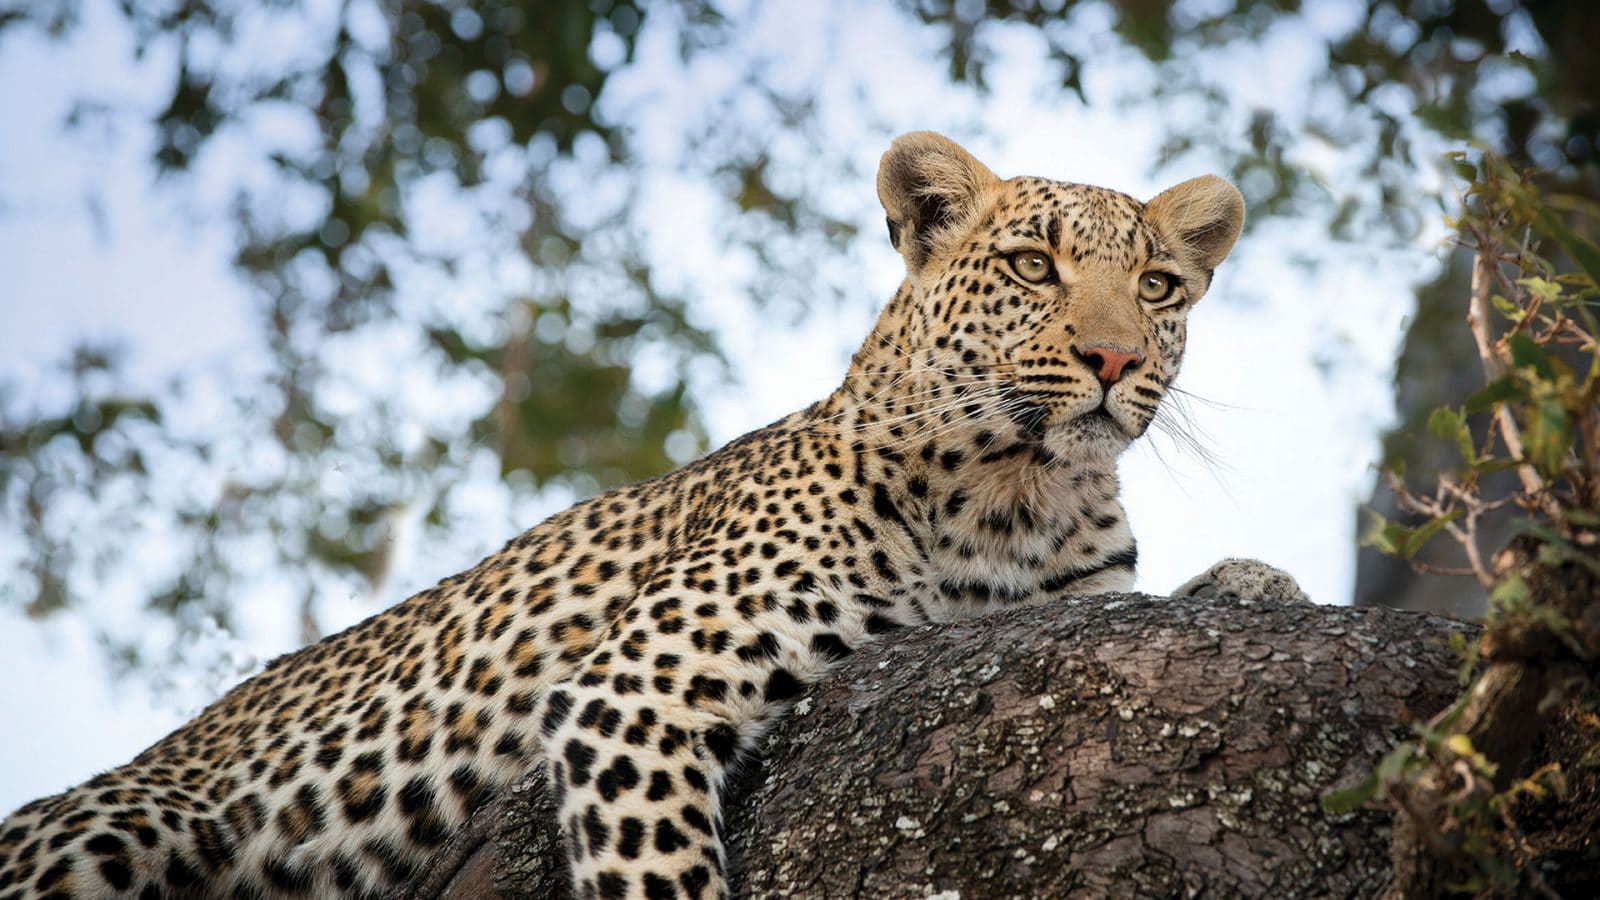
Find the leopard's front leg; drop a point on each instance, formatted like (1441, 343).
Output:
(636, 772)
(640, 738)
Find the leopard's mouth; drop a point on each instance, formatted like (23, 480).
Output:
(1101, 424)
(1100, 418)
(1034, 423)
(1099, 414)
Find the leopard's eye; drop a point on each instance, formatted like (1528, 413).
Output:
(1156, 286)
(1031, 265)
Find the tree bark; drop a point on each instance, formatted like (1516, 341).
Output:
(1119, 745)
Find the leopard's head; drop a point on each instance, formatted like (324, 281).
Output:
(1063, 305)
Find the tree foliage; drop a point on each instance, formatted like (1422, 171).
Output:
(1460, 786)
(381, 107)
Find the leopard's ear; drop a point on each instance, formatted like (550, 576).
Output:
(929, 187)
(1203, 214)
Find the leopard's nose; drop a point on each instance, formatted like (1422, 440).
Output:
(1109, 363)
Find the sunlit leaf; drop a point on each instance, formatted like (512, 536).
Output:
(1507, 308)
(1543, 289)
(1383, 535)
(1461, 745)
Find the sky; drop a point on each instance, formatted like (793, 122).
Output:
(91, 246)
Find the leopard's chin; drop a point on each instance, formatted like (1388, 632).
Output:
(1102, 423)
(1094, 436)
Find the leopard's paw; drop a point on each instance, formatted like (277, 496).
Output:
(1243, 579)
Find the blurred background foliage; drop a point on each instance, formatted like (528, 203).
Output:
(371, 121)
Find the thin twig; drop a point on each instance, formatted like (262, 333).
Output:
(1485, 268)
(1449, 498)
(1428, 568)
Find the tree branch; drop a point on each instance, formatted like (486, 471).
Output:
(1131, 744)
(1485, 269)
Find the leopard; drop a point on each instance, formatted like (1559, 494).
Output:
(639, 644)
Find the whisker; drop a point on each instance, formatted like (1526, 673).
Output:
(1175, 421)
(898, 423)
(1001, 410)
(1206, 401)
(898, 379)
(953, 392)
(926, 434)
(910, 355)
(1004, 409)
(959, 390)
(930, 412)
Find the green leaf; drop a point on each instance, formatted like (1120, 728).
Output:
(1582, 517)
(1512, 592)
(1547, 435)
(1560, 547)
(1502, 390)
(1527, 354)
(1383, 535)
(1506, 307)
(1392, 769)
(1582, 250)
(1547, 291)
(1425, 533)
(1347, 800)
(1489, 465)
(1461, 746)
(1451, 716)
(1397, 540)
(1467, 651)
(1449, 425)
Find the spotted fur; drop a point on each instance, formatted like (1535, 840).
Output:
(639, 642)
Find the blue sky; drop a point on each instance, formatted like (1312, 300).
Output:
(91, 246)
